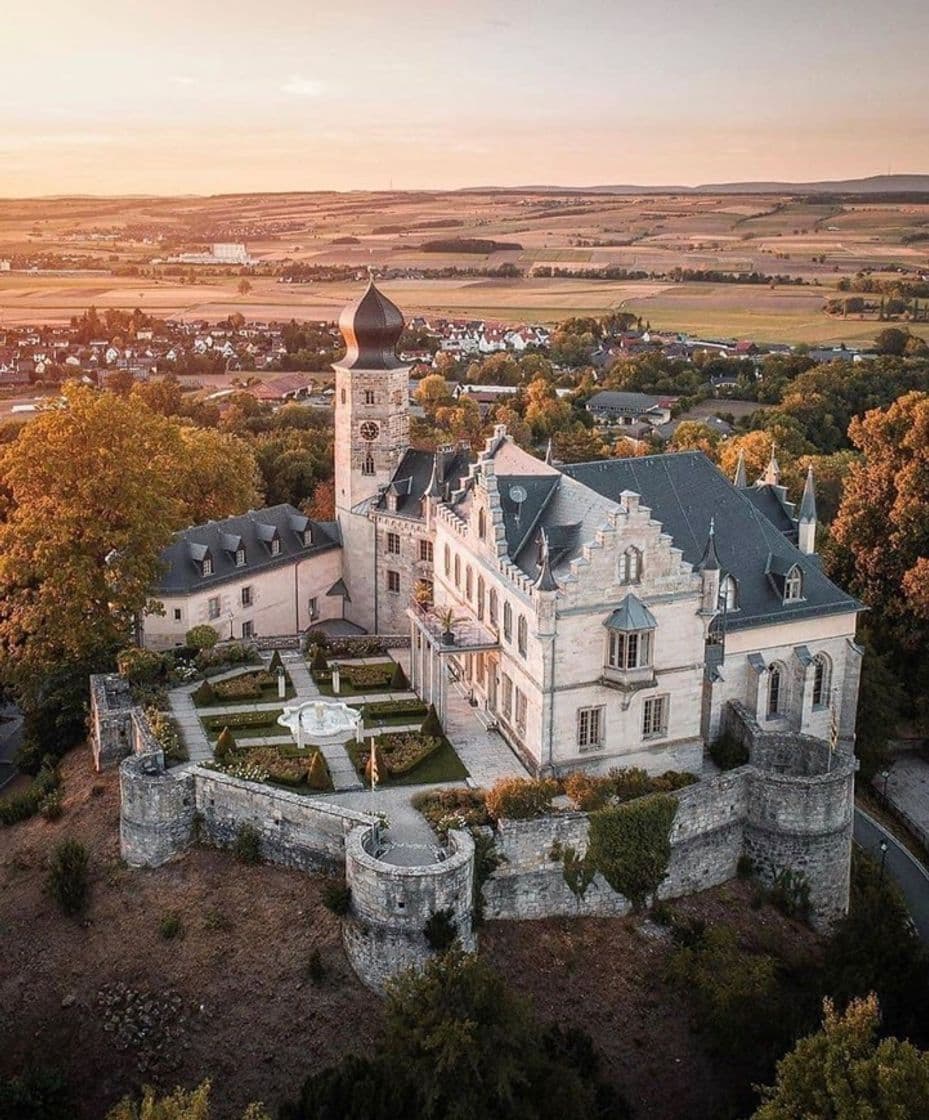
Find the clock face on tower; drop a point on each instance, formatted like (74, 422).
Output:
(369, 431)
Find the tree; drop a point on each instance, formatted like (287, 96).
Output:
(244, 287)
(36, 1094)
(321, 506)
(432, 393)
(892, 340)
(692, 435)
(217, 476)
(843, 1073)
(162, 395)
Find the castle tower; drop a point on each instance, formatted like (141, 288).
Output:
(372, 431)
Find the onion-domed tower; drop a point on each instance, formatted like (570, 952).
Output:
(372, 431)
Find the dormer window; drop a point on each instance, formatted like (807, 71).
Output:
(275, 544)
(728, 594)
(307, 537)
(240, 557)
(206, 566)
(630, 565)
(793, 585)
(630, 642)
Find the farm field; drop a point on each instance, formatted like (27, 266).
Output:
(819, 240)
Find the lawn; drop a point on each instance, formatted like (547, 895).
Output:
(442, 765)
(268, 694)
(253, 725)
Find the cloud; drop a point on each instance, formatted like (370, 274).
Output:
(182, 80)
(302, 87)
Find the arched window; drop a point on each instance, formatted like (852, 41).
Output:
(728, 594)
(522, 635)
(481, 523)
(822, 679)
(630, 565)
(469, 583)
(775, 690)
(793, 585)
(367, 465)
(508, 622)
(480, 598)
(448, 561)
(492, 607)
(458, 571)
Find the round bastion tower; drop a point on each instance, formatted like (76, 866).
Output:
(372, 431)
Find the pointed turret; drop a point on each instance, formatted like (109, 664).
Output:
(434, 489)
(740, 480)
(549, 452)
(772, 474)
(709, 571)
(545, 581)
(709, 562)
(806, 523)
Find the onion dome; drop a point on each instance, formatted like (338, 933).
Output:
(371, 327)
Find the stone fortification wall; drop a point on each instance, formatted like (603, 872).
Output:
(111, 708)
(390, 904)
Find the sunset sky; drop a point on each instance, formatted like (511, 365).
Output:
(201, 96)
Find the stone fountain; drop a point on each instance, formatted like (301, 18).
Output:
(322, 723)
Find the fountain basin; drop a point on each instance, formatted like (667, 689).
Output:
(322, 723)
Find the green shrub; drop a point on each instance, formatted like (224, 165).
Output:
(67, 880)
(337, 898)
(21, 806)
(399, 754)
(440, 931)
(688, 932)
(171, 926)
(630, 782)
(39, 1093)
(672, 780)
(379, 709)
(246, 686)
(662, 914)
(432, 725)
(140, 666)
(520, 798)
(630, 845)
(728, 752)
(276, 663)
(290, 770)
(50, 806)
(318, 773)
(398, 680)
(201, 637)
(318, 662)
(452, 808)
(166, 734)
(240, 721)
(745, 867)
(204, 695)
(248, 844)
(790, 893)
(486, 861)
(577, 871)
(363, 677)
(225, 747)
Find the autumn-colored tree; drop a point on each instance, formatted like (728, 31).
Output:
(692, 435)
(433, 393)
(179, 1105)
(516, 426)
(577, 444)
(882, 527)
(844, 1073)
(162, 395)
(217, 476)
(546, 412)
(463, 421)
(321, 507)
(243, 287)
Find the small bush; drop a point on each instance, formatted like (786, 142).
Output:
(378, 709)
(440, 931)
(276, 663)
(587, 791)
(248, 844)
(663, 914)
(166, 734)
(217, 920)
(201, 637)
(671, 780)
(23, 805)
(315, 968)
(520, 798)
(248, 686)
(452, 808)
(204, 695)
(398, 680)
(432, 725)
(50, 806)
(318, 774)
(630, 782)
(745, 867)
(728, 753)
(790, 894)
(68, 881)
(687, 933)
(171, 926)
(362, 677)
(318, 662)
(337, 898)
(225, 747)
(140, 666)
(403, 753)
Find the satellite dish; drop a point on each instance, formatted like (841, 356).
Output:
(518, 494)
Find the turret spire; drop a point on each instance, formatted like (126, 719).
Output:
(545, 580)
(709, 562)
(808, 501)
(772, 474)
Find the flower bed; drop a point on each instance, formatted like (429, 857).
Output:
(409, 759)
(382, 708)
(291, 767)
(239, 720)
(254, 686)
(453, 808)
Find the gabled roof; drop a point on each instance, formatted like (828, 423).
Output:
(683, 491)
(631, 614)
(522, 499)
(252, 531)
(413, 476)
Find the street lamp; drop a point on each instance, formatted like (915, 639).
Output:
(885, 774)
(883, 861)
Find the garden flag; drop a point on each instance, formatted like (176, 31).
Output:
(375, 777)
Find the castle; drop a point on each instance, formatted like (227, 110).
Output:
(599, 614)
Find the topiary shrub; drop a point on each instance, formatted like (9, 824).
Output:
(201, 637)
(319, 663)
(204, 695)
(398, 680)
(578, 872)
(318, 775)
(225, 747)
(630, 845)
(432, 725)
(50, 806)
(247, 846)
(276, 662)
(728, 752)
(440, 931)
(337, 897)
(67, 881)
(520, 798)
(381, 762)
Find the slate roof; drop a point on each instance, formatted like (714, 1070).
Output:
(619, 403)
(684, 491)
(520, 517)
(371, 327)
(631, 614)
(765, 500)
(253, 531)
(414, 473)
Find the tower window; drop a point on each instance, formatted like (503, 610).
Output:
(728, 594)
(480, 598)
(793, 585)
(630, 566)
(821, 680)
(469, 583)
(393, 543)
(425, 550)
(492, 607)
(342, 396)
(448, 561)
(458, 571)
(369, 396)
(367, 464)
(393, 582)
(275, 546)
(655, 717)
(481, 524)
(775, 691)
(240, 557)
(508, 622)
(522, 635)
(629, 649)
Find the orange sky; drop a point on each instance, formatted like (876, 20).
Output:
(201, 96)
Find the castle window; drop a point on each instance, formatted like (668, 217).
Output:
(821, 680)
(367, 464)
(522, 635)
(275, 546)
(447, 561)
(393, 543)
(492, 607)
(793, 585)
(508, 622)
(630, 565)
(521, 708)
(247, 596)
(206, 566)
(393, 582)
(458, 571)
(212, 607)
(425, 550)
(369, 396)
(342, 396)
(589, 729)
(479, 668)
(728, 594)
(480, 598)
(507, 702)
(481, 524)
(629, 650)
(655, 717)
(240, 557)
(177, 614)
(469, 583)
(307, 537)
(248, 629)
(775, 691)
(312, 607)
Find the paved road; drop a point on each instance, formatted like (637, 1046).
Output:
(909, 873)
